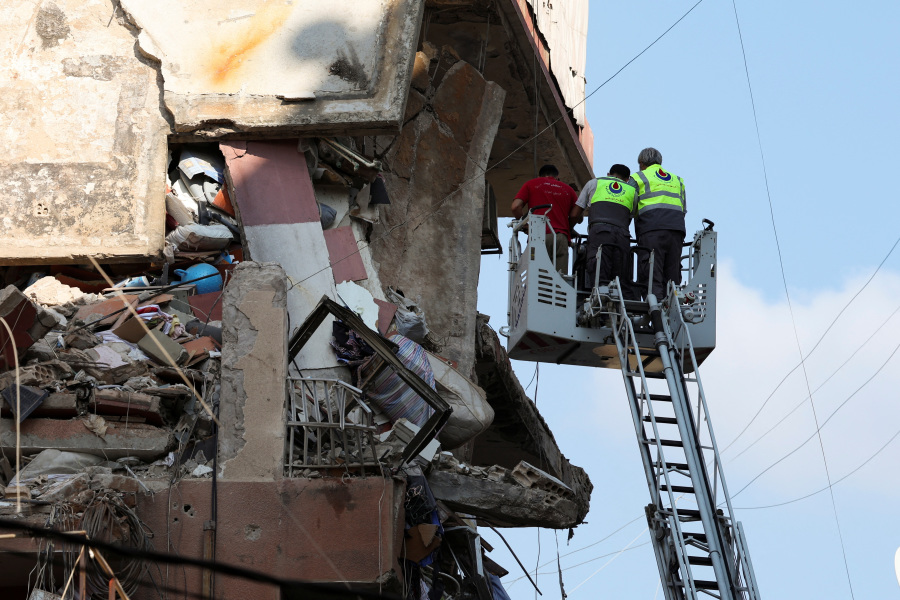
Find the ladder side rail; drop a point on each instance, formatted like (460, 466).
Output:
(712, 436)
(650, 470)
(645, 401)
(752, 586)
(742, 557)
(693, 454)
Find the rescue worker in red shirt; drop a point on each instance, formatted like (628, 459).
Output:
(548, 189)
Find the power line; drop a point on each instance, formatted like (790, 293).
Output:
(833, 373)
(819, 429)
(867, 461)
(816, 345)
(581, 564)
(481, 175)
(787, 294)
(292, 586)
(600, 541)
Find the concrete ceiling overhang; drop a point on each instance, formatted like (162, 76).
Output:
(536, 127)
(252, 67)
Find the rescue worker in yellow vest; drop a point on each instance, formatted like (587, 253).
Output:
(610, 202)
(658, 221)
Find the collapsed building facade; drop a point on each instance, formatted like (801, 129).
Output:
(242, 246)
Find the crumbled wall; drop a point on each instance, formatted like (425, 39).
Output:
(428, 243)
(83, 135)
(254, 367)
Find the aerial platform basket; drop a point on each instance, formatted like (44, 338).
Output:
(543, 322)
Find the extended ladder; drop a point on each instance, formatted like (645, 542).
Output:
(699, 546)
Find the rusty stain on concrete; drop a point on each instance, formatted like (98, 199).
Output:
(230, 55)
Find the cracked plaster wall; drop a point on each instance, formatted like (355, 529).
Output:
(254, 367)
(83, 135)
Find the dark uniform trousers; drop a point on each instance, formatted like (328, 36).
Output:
(615, 260)
(666, 244)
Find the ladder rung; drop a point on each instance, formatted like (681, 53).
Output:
(645, 353)
(700, 537)
(686, 489)
(703, 561)
(701, 584)
(647, 375)
(689, 513)
(679, 466)
(673, 443)
(665, 420)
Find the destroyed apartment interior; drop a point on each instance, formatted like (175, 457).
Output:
(239, 333)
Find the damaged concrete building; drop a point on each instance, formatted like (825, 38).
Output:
(241, 246)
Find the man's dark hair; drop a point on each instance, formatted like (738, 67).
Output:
(620, 171)
(548, 171)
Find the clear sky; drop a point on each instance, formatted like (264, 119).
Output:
(825, 83)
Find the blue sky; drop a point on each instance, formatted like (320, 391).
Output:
(826, 92)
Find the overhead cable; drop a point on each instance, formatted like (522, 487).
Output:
(802, 402)
(484, 171)
(812, 402)
(817, 432)
(816, 345)
(864, 463)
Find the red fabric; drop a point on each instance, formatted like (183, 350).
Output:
(546, 190)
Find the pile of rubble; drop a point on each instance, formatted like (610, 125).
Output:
(108, 381)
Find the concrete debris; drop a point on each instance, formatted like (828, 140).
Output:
(109, 416)
(50, 291)
(28, 321)
(518, 432)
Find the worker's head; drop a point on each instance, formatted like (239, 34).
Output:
(648, 157)
(549, 171)
(619, 172)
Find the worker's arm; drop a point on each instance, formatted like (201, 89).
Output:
(518, 208)
(575, 216)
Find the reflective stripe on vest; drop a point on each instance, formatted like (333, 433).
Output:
(610, 189)
(657, 188)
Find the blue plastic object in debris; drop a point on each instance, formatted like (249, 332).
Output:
(204, 286)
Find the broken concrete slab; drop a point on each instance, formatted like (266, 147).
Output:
(81, 167)
(275, 68)
(275, 200)
(254, 369)
(518, 431)
(121, 439)
(504, 504)
(131, 405)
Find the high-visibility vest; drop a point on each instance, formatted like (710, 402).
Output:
(612, 202)
(660, 200)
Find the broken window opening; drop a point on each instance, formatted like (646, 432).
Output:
(385, 352)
